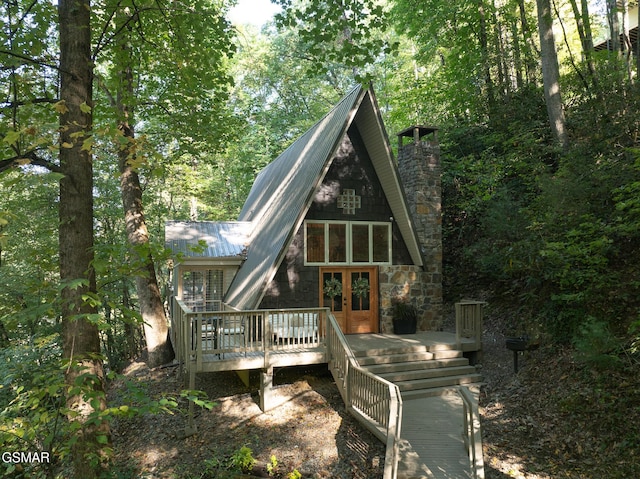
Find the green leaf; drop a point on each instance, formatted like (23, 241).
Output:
(61, 107)
(12, 137)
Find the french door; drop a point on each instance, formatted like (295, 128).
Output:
(352, 295)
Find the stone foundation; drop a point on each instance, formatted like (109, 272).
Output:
(421, 288)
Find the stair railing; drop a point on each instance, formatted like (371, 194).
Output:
(374, 401)
(472, 436)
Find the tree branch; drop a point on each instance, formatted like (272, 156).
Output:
(14, 104)
(30, 158)
(27, 59)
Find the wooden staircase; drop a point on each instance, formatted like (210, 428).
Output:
(428, 377)
(420, 370)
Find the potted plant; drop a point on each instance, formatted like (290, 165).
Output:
(405, 317)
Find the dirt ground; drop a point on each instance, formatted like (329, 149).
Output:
(309, 431)
(555, 418)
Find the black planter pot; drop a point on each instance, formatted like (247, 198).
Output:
(405, 326)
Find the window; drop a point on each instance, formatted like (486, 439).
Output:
(360, 248)
(347, 242)
(315, 242)
(202, 290)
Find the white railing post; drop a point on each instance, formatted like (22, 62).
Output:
(473, 436)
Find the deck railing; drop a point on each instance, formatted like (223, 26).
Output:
(472, 437)
(218, 335)
(469, 322)
(375, 401)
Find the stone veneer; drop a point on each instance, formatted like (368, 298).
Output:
(420, 174)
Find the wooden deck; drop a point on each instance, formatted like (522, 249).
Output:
(433, 427)
(387, 381)
(432, 340)
(316, 354)
(433, 424)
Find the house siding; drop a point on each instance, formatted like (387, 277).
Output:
(297, 285)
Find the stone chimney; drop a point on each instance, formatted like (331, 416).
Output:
(420, 174)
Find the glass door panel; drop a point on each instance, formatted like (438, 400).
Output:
(360, 291)
(332, 290)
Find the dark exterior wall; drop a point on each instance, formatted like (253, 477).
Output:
(296, 285)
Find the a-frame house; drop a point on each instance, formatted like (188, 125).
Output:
(332, 234)
(329, 211)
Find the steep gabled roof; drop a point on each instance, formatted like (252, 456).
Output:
(284, 190)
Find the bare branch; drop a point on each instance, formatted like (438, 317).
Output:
(27, 59)
(34, 101)
(30, 158)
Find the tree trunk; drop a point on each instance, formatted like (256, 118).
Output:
(527, 41)
(614, 25)
(626, 40)
(486, 65)
(583, 24)
(81, 341)
(551, 73)
(156, 329)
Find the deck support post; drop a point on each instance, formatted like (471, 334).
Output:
(190, 428)
(266, 388)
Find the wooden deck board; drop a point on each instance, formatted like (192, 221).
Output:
(301, 355)
(426, 340)
(256, 359)
(434, 426)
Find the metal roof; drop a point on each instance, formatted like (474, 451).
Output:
(280, 198)
(222, 239)
(283, 191)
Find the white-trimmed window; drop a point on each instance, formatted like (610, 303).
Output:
(202, 290)
(347, 242)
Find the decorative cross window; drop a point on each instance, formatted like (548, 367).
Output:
(349, 201)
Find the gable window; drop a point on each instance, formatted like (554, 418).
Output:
(347, 242)
(202, 290)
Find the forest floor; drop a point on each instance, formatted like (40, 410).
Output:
(555, 418)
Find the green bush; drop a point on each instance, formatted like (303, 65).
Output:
(597, 346)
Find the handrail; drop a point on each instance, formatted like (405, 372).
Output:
(233, 331)
(472, 436)
(368, 397)
(469, 316)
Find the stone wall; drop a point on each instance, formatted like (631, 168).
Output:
(420, 174)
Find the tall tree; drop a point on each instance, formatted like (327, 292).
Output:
(81, 341)
(551, 73)
(583, 25)
(181, 99)
(155, 324)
